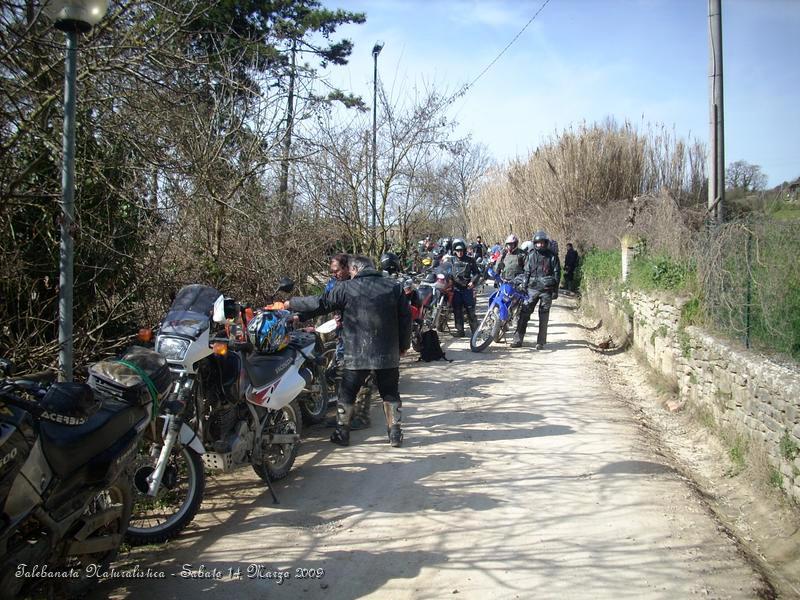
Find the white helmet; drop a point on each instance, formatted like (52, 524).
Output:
(527, 246)
(512, 239)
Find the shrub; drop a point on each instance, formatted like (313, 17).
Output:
(660, 273)
(601, 266)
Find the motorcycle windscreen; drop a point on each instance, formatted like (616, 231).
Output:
(191, 311)
(425, 294)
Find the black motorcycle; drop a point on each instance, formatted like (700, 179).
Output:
(65, 452)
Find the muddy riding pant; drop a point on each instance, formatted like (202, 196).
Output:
(545, 301)
(387, 382)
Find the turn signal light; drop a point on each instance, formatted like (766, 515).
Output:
(220, 348)
(145, 335)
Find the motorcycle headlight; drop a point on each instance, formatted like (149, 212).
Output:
(173, 348)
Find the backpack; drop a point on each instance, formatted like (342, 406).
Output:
(431, 347)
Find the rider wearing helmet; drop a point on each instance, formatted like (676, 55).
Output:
(526, 247)
(512, 261)
(390, 263)
(542, 275)
(465, 274)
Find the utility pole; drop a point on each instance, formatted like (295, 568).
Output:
(283, 185)
(376, 49)
(716, 150)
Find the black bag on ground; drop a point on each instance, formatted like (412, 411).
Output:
(431, 347)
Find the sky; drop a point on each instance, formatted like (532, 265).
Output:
(645, 61)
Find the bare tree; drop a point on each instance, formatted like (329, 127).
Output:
(741, 175)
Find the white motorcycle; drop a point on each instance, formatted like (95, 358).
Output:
(230, 406)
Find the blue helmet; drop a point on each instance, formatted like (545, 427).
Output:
(268, 331)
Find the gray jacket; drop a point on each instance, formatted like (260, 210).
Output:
(542, 270)
(376, 318)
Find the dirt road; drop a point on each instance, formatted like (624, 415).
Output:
(521, 476)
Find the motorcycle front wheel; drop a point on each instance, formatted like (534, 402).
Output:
(487, 331)
(159, 518)
(277, 459)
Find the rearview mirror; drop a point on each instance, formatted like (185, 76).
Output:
(230, 308)
(285, 285)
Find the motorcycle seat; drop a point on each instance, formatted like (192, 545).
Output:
(263, 368)
(301, 339)
(69, 447)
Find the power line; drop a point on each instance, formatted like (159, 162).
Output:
(496, 58)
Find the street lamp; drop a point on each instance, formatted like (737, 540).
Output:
(72, 17)
(376, 49)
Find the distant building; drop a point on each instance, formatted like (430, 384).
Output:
(793, 191)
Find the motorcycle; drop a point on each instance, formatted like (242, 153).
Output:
(438, 314)
(65, 456)
(503, 306)
(229, 407)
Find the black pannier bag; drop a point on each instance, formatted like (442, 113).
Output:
(120, 379)
(431, 347)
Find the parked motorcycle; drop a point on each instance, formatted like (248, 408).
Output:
(436, 295)
(65, 456)
(503, 306)
(230, 406)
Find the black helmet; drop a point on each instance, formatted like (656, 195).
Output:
(540, 237)
(459, 244)
(390, 263)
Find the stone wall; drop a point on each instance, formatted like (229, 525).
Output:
(745, 392)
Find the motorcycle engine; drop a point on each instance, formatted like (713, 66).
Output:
(220, 420)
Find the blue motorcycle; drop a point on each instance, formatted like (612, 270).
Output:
(503, 307)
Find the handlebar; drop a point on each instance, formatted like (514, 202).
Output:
(9, 386)
(233, 344)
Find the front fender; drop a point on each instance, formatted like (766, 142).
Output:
(189, 438)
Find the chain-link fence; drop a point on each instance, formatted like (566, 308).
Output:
(749, 274)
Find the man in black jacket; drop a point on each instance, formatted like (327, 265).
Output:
(465, 274)
(570, 265)
(376, 330)
(542, 275)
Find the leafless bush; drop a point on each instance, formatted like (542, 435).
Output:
(578, 184)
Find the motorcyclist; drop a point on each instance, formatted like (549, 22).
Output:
(512, 261)
(480, 249)
(542, 275)
(390, 263)
(377, 331)
(527, 247)
(465, 275)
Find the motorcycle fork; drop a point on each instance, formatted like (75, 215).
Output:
(170, 432)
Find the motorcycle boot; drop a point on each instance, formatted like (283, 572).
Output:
(522, 326)
(473, 319)
(391, 410)
(341, 435)
(458, 317)
(361, 418)
(541, 338)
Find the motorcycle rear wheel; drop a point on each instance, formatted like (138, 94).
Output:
(277, 459)
(161, 518)
(487, 331)
(118, 493)
(314, 402)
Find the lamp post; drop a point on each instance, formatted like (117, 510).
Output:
(72, 17)
(376, 49)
